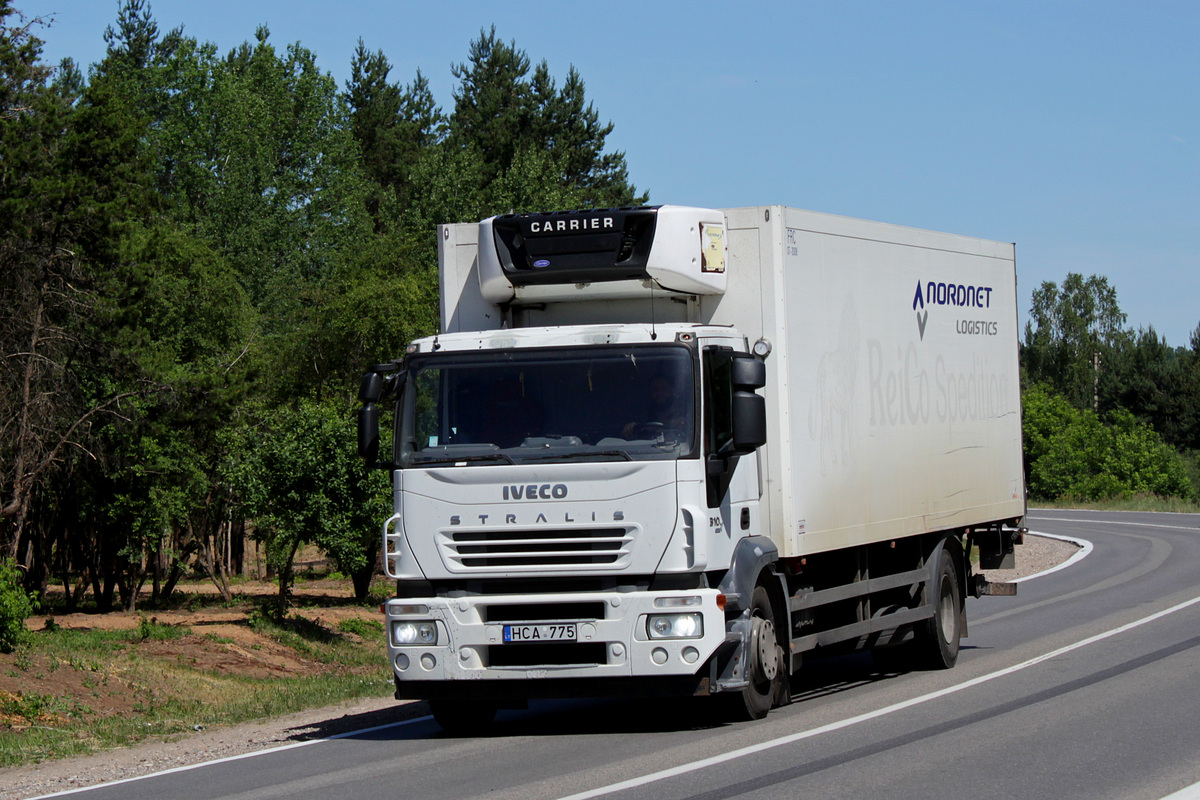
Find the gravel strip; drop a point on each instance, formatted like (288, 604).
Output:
(1037, 554)
(149, 757)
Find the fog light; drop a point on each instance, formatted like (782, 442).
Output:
(408, 633)
(675, 626)
(407, 610)
(402, 662)
(677, 602)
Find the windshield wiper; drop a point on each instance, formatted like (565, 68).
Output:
(579, 454)
(452, 459)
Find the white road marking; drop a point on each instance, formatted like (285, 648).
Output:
(253, 754)
(683, 769)
(1115, 522)
(1085, 549)
(1187, 793)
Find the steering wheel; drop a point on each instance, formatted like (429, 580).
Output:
(649, 430)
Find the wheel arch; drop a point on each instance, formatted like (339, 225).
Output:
(756, 563)
(950, 541)
(752, 557)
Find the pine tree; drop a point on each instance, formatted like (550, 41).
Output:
(502, 112)
(42, 280)
(492, 104)
(393, 126)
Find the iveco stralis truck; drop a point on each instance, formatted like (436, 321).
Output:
(672, 450)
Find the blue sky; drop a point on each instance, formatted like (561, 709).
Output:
(1070, 128)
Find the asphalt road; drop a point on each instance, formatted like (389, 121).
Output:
(1086, 685)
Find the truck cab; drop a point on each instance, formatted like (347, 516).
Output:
(568, 498)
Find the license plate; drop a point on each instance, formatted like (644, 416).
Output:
(552, 632)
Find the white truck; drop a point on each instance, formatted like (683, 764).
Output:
(671, 450)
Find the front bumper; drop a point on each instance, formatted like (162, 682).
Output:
(612, 638)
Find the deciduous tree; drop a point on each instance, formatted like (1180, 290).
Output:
(303, 484)
(1071, 334)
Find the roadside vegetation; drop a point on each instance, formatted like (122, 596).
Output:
(1111, 415)
(85, 682)
(1136, 503)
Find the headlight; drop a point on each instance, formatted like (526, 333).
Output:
(675, 626)
(406, 633)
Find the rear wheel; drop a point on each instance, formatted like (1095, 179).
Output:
(462, 717)
(937, 639)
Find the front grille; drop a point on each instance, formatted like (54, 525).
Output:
(536, 655)
(505, 548)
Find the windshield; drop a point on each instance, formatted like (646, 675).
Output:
(524, 406)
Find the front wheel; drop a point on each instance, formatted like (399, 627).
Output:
(766, 668)
(937, 639)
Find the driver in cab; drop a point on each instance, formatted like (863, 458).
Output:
(664, 410)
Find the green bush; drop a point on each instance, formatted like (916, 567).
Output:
(1071, 453)
(1191, 464)
(15, 607)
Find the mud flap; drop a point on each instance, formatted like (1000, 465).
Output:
(981, 586)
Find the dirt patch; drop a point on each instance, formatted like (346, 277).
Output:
(214, 639)
(61, 687)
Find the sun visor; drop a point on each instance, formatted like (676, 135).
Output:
(558, 256)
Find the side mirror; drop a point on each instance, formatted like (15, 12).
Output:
(749, 422)
(747, 372)
(746, 420)
(368, 433)
(373, 388)
(749, 409)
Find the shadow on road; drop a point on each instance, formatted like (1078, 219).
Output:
(818, 678)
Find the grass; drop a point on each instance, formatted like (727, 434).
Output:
(59, 730)
(318, 643)
(1136, 503)
(129, 685)
(363, 628)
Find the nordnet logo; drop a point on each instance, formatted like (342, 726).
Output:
(948, 294)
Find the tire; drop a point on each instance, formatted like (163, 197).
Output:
(765, 667)
(937, 639)
(462, 717)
